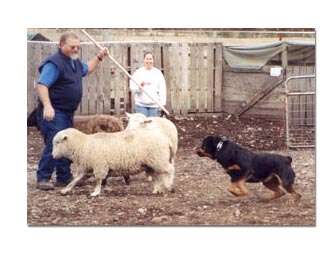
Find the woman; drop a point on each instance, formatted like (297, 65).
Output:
(153, 82)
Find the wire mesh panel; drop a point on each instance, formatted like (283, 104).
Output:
(300, 113)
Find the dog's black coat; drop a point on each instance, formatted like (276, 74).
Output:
(33, 119)
(254, 167)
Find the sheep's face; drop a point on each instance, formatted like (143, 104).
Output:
(60, 146)
(135, 121)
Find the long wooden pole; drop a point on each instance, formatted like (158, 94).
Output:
(126, 72)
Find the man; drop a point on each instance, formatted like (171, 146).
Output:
(60, 92)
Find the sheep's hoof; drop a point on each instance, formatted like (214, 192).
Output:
(94, 194)
(157, 192)
(64, 192)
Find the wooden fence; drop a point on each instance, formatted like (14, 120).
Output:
(198, 79)
(193, 75)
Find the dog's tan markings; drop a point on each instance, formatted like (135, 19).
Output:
(273, 184)
(295, 197)
(238, 188)
(232, 167)
(202, 153)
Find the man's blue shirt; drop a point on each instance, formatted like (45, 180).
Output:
(50, 73)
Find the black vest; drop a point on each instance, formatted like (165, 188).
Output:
(66, 92)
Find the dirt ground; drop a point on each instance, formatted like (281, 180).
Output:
(201, 196)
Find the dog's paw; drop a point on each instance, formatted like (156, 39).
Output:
(293, 199)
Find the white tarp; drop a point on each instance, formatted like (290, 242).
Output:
(256, 56)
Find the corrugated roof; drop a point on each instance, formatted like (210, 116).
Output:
(37, 37)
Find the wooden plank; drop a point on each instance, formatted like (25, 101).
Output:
(99, 73)
(84, 105)
(105, 66)
(309, 110)
(201, 78)
(218, 83)
(127, 94)
(284, 59)
(157, 55)
(133, 67)
(263, 70)
(46, 50)
(125, 89)
(193, 77)
(120, 56)
(166, 59)
(31, 78)
(184, 80)
(175, 79)
(210, 77)
(93, 81)
(117, 79)
(113, 80)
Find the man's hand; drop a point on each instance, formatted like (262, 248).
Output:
(49, 113)
(103, 53)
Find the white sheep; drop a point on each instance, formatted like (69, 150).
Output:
(117, 154)
(138, 120)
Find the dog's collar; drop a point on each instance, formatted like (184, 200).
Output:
(219, 145)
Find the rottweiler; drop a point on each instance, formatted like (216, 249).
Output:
(242, 165)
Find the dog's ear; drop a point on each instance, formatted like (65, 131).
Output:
(209, 140)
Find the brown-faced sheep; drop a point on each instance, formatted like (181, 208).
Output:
(91, 124)
(117, 154)
(138, 120)
(88, 124)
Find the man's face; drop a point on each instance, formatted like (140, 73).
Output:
(71, 48)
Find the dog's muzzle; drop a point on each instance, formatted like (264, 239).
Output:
(201, 153)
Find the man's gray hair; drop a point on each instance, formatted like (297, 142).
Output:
(64, 37)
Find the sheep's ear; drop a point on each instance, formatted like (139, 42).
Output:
(128, 114)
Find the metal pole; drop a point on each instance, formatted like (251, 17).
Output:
(124, 70)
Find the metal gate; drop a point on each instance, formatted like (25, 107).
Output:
(300, 111)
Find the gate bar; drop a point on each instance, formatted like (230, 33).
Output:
(286, 103)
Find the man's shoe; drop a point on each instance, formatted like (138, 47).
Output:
(45, 185)
(63, 183)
